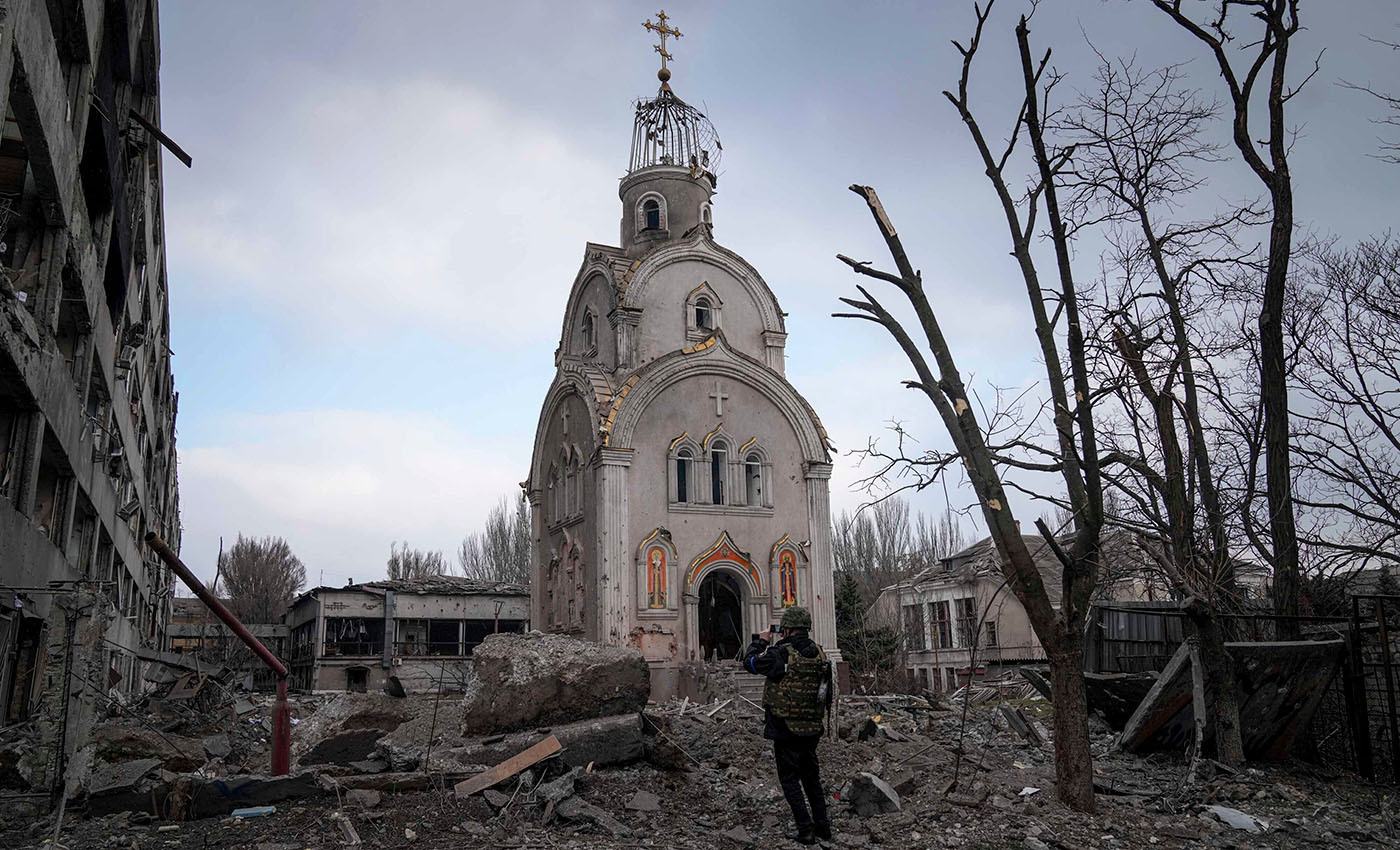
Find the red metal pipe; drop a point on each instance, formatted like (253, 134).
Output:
(281, 712)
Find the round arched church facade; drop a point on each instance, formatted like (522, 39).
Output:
(679, 483)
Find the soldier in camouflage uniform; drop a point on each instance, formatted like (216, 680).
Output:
(795, 698)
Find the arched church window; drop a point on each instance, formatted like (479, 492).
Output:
(704, 314)
(753, 481)
(651, 214)
(573, 487)
(552, 495)
(719, 467)
(705, 215)
(683, 462)
(590, 332)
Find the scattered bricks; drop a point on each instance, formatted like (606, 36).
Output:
(869, 795)
(528, 680)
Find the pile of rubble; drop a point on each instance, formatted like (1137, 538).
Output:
(555, 744)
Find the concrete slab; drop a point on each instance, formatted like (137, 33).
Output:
(1280, 684)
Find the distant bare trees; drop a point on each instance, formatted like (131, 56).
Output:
(883, 543)
(501, 550)
(1347, 439)
(409, 563)
(260, 578)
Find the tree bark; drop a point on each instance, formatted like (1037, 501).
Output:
(1074, 765)
(1221, 692)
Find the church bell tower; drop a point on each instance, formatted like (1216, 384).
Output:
(671, 172)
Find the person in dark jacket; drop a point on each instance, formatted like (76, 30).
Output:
(795, 696)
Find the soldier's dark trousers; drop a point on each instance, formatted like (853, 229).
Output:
(797, 773)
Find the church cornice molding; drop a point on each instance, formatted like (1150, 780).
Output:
(715, 357)
(702, 248)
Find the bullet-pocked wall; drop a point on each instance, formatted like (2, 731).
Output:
(87, 399)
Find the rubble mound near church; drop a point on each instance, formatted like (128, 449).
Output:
(534, 679)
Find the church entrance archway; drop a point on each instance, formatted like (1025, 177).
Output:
(721, 616)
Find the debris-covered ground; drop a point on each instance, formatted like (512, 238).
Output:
(372, 770)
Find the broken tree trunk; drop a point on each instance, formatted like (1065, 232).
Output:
(1198, 707)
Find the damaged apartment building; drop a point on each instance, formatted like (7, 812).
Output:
(87, 403)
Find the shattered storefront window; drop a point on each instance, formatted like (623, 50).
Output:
(354, 636)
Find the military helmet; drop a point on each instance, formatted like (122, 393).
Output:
(796, 617)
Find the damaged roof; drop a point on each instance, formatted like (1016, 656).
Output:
(441, 585)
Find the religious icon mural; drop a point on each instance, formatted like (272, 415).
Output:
(656, 577)
(784, 559)
(656, 560)
(787, 577)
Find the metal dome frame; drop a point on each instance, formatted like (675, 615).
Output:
(669, 131)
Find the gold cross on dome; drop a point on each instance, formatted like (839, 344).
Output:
(662, 30)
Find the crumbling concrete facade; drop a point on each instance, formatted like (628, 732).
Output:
(87, 404)
(419, 631)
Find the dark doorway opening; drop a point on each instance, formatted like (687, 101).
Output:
(721, 617)
(357, 679)
(24, 669)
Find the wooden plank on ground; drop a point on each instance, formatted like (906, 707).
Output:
(508, 768)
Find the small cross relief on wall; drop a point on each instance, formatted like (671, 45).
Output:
(719, 395)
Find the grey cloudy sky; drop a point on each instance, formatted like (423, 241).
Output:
(368, 262)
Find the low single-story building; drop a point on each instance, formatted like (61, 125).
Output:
(421, 631)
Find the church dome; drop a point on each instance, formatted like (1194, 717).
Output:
(669, 131)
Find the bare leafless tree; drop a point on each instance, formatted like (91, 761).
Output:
(1390, 107)
(1139, 137)
(1348, 441)
(501, 550)
(1249, 41)
(1073, 452)
(260, 576)
(407, 563)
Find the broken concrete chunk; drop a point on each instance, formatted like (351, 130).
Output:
(644, 801)
(366, 798)
(527, 680)
(348, 834)
(869, 795)
(496, 798)
(738, 834)
(580, 810)
(1237, 819)
(217, 746)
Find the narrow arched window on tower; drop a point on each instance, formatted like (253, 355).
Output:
(753, 481)
(590, 332)
(719, 467)
(683, 475)
(704, 316)
(651, 214)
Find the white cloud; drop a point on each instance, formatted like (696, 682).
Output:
(340, 485)
(419, 201)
